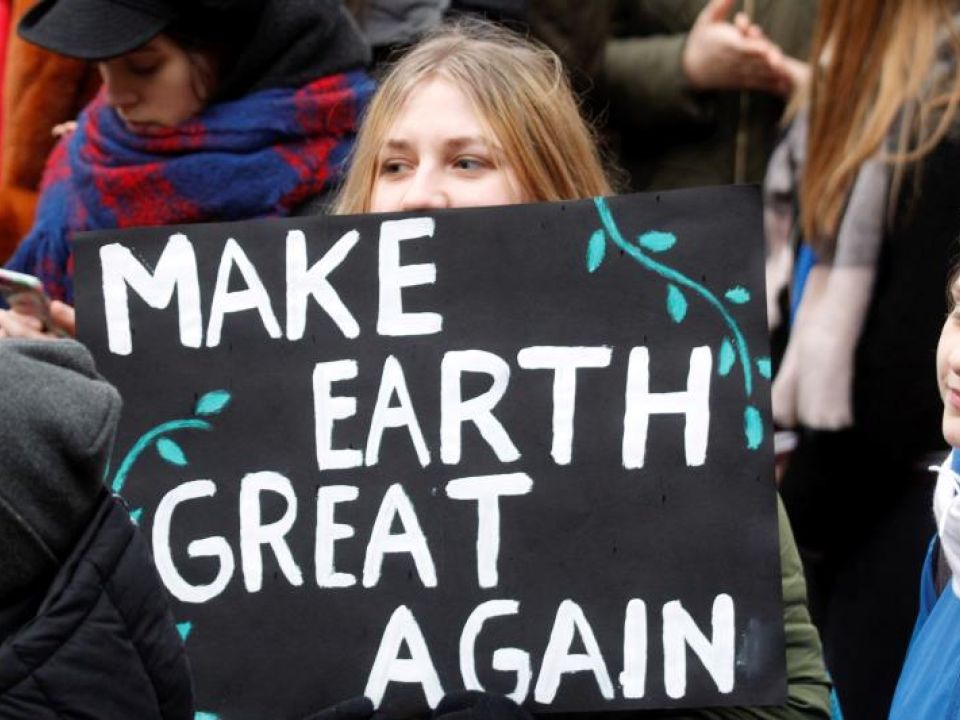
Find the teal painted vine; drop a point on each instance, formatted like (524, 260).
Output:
(212, 403)
(733, 348)
(169, 450)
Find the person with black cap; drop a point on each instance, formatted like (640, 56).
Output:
(212, 110)
(85, 626)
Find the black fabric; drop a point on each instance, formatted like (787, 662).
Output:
(509, 11)
(103, 643)
(293, 42)
(17, 608)
(896, 402)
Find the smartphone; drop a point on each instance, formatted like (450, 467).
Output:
(24, 293)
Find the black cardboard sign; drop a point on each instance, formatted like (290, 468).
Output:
(525, 449)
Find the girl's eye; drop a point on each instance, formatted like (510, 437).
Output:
(393, 167)
(143, 69)
(469, 163)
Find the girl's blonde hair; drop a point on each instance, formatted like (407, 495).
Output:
(881, 58)
(521, 92)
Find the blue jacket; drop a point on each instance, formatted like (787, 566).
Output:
(929, 686)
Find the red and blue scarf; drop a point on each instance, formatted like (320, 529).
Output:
(259, 156)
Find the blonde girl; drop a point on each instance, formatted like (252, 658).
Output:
(475, 115)
(524, 111)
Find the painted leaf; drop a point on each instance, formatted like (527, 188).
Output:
(738, 295)
(135, 516)
(727, 358)
(596, 250)
(656, 241)
(212, 403)
(676, 304)
(752, 427)
(171, 452)
(763, 367)
(184, 629)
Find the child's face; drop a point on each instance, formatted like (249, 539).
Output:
(152, 86)
(438, 154)
(948, 370)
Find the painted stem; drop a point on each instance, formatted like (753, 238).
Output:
(670, 274)
(146, 441)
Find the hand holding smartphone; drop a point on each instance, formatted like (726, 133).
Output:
(25, 295)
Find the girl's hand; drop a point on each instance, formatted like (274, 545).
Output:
(64, 128)
(724, 55)
(64, 317)
(18, 325)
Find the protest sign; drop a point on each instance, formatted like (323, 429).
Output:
(525, 449)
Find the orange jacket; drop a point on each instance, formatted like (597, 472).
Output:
(40, 90)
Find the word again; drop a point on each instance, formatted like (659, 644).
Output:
(715, 650)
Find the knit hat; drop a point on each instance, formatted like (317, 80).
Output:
(58, 418)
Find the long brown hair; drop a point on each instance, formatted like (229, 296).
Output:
(873, 70)
(520, 91)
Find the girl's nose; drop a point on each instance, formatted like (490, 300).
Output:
(118, 94)
(426, 191)
(120, 100)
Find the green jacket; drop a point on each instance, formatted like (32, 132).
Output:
(670, 135)
(663, 133)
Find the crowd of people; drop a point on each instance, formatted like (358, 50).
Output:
(845, 112)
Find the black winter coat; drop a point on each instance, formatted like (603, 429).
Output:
(103, 643)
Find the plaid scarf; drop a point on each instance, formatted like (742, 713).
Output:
(261, 155)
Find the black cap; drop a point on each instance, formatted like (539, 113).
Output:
(95, 29)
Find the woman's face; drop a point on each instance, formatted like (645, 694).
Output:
(155, 85)
(948, 370)
(439, 154)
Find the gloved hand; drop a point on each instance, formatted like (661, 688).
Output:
(356, 708)
(476, 705)
(461, 705)
(946, 507)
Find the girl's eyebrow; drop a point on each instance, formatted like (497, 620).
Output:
(454, 142)
(397, 145)
(460, 142)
